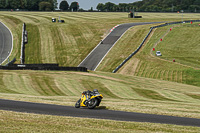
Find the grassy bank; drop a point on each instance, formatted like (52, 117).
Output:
(180, 44)
(126, 93)
(145, 84)
(69, 43)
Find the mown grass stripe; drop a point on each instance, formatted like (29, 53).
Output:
(44, 85)
(150, 94)
(49, 81)
(33, 47)
(64, 87)
(90, 85)
(35, 20)
(3, 86)
(38, 86)
(140, 70)
(195, 96)
(47, 46)
(167, 75)
(146, 70)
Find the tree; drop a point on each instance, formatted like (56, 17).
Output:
(100, 7)
(197, 2)
(193, 8)
(109, 6)
(15, 4)
(64, 5)
(74, 6)
(23, 4)
(55, 4)
(33, 5)
(2, 4)
(91, 9)
(45, 6)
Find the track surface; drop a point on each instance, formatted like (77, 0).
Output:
(95, 57)
(58, 110)
(5, 42)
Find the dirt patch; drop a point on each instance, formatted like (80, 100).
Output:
(130, 68)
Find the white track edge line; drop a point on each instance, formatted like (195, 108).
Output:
(96, 47)
(12, 42)
(112, 47)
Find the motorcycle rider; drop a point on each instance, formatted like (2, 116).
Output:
(87, 94)
(90, 93)
(89, 99)
(95, 91)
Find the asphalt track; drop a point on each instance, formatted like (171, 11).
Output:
(58, 110)
(5, 43)
(95, 57)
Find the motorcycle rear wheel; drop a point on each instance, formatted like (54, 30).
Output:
(93, 103)
(77, 105)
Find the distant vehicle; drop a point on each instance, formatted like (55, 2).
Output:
(158, 53)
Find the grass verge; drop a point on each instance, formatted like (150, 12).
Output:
(125, 93)
(22, 122)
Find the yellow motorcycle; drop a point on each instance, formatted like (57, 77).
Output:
(89, 99)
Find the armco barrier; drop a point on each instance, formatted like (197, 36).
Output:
(52, 67)
(162, 25)
(24, 41)
(34, 65)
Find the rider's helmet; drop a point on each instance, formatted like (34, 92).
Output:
(95, 91)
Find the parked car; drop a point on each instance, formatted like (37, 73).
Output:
(158, 53)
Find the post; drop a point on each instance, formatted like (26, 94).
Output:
(182, 15)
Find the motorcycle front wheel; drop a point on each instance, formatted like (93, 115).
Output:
(92, 103)
(77, 105)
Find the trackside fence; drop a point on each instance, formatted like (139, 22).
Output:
(22, 66)
(47, 67)
(158, 26)
(24, 41)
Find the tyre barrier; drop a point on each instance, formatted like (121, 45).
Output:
(50, 67)
(11, 62)
(151, 28)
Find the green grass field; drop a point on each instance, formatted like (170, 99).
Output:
(126, 93)
(146, 83)
(180, 44)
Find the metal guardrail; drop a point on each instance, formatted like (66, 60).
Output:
(45, 67)
(162, 25)
(24, 41)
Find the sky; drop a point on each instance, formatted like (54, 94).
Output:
(87, 4)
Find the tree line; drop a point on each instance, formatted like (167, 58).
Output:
(32, 5)
(64, 6)
(144, 5)
(38, 5)
(152, 6)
